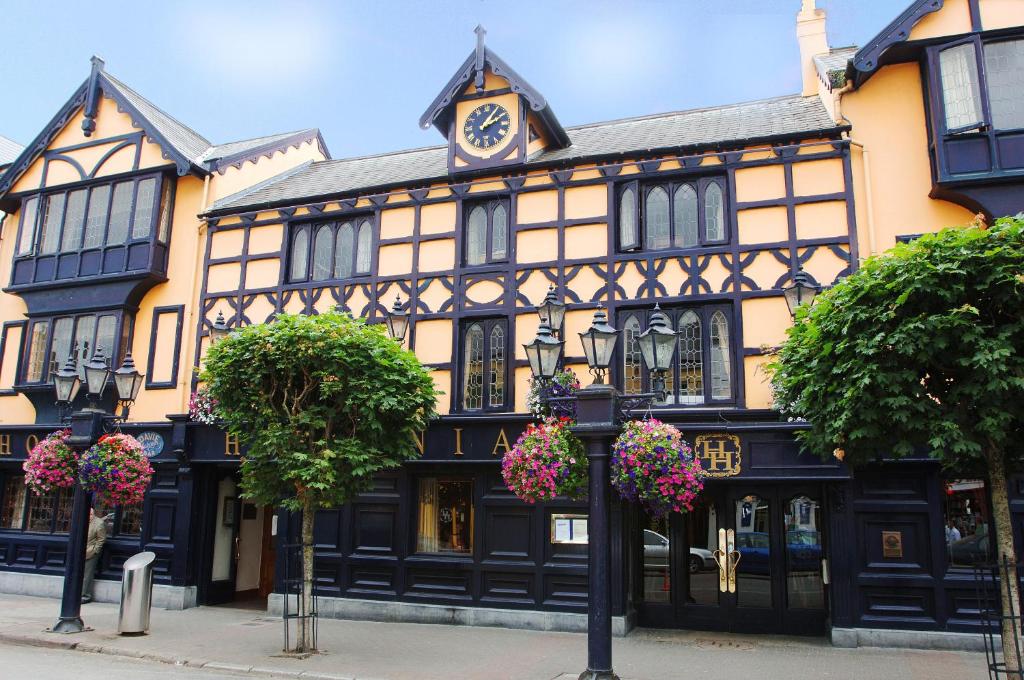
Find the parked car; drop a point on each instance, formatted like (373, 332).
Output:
(656, 554)
(970, 551)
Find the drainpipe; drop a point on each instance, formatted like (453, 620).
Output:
(186, 376)
(866, 160)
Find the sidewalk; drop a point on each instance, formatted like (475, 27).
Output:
(248, 641)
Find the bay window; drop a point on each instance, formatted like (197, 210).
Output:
(52, 341)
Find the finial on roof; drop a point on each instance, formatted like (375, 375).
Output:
(92, 96)
(480, 33)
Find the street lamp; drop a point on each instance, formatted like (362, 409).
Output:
(599, 345)
(544, 353)
(801, 292)
(127, 380)
(398, 321)
(86, 427)
(657, 346)
(219, 330)
(552, 310)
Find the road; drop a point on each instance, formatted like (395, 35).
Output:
(32, 663)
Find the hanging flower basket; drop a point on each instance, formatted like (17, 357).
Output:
(652, 465)
(51, 464)
(202, 407)
(116, 470)
(546, 461)
(563, 384)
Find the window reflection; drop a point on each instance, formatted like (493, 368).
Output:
(656, 575)
(967, 521)
(446, 516)
(804, 553)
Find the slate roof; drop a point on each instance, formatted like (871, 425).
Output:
(707, 127)
(9, 150)
(832, 66)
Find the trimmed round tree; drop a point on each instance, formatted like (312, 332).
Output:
(921, 351)
(321, 404)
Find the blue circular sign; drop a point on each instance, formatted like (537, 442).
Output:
(152, 443)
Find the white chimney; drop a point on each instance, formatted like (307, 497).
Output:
(810, 33)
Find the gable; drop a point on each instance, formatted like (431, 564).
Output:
(116, 146)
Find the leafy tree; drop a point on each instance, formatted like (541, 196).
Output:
(919, 351)
(321, 403)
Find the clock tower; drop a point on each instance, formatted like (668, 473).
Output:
(491, 116)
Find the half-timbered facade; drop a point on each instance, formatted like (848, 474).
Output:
(709, 213)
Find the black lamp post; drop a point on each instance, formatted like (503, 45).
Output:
(86, 427)
(598, 416)
(657, 346)
(398, 321)
(799, 293)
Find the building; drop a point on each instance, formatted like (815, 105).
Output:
(709, 212)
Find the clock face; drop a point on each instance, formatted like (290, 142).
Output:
(486, 125)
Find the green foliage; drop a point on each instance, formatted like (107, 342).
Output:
(919, 349)
(322, 403)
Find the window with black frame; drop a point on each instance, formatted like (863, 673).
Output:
(51, 341)
(22, 510)
(702, 368)
(325, 251)
(681, 213)
(445, 522)
(967, 521)
(982, 85)
(95, 217)
(486, 231)
(484, 365)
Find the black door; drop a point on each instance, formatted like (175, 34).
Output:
(748, 559)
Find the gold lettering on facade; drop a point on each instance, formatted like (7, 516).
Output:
(718, 453)
(418, 439)
(5, 444)
(30, 443)
(458, 441)
(231, 445)
(502, 443)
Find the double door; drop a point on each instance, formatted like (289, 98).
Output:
(749, 558)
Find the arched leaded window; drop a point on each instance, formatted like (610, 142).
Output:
(714, 212)
(343, 251)
(629, 236)
(496, 379)
(656, 219)
(364, 245)
(721, 372)
(485, 365)
(476, 236)
(499, 232)
(632, 361)
(685, 216)
(323, 245)
(691, 360)
(473, 382)
(300, 254)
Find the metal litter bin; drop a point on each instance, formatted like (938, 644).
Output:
(136, 594)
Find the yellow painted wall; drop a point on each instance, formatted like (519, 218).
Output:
(1001, 13)
(888, 118)
(952, 19)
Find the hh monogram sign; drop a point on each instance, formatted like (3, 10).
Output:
(718, 453)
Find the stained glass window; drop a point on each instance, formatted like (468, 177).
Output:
(142, 219)
(12, 511)
(499, 232)
(485, 365)
(28, 226)
(960, 92)
(691, 361)
(486, 232)
(656, 222)
(363, 254)
(73, 221)
(473, 392)
(1004, 71)
(685, 206)
(628, 237)
(497, 367)
(721, 382)
(632, 361)
(714, 209)
(50, 236)
(674, 215)
(300, 254)
(323, 244)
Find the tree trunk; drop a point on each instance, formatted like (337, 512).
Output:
(1007, 559)
(305, 633)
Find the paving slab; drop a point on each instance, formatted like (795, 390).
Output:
(245, 641)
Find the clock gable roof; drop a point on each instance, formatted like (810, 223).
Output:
(482, 59)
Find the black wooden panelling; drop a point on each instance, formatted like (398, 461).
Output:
(439, 583)
(161, 520)
(369, 579)
(508, 534)
(504, 587)
(916, 545)
(904, 605)
(565, 589)
(327, 530)
(374, 529)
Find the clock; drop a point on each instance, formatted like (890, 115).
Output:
(486, 126)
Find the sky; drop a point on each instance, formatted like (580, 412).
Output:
(364, 72)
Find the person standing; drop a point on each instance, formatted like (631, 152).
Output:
(93, 549)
